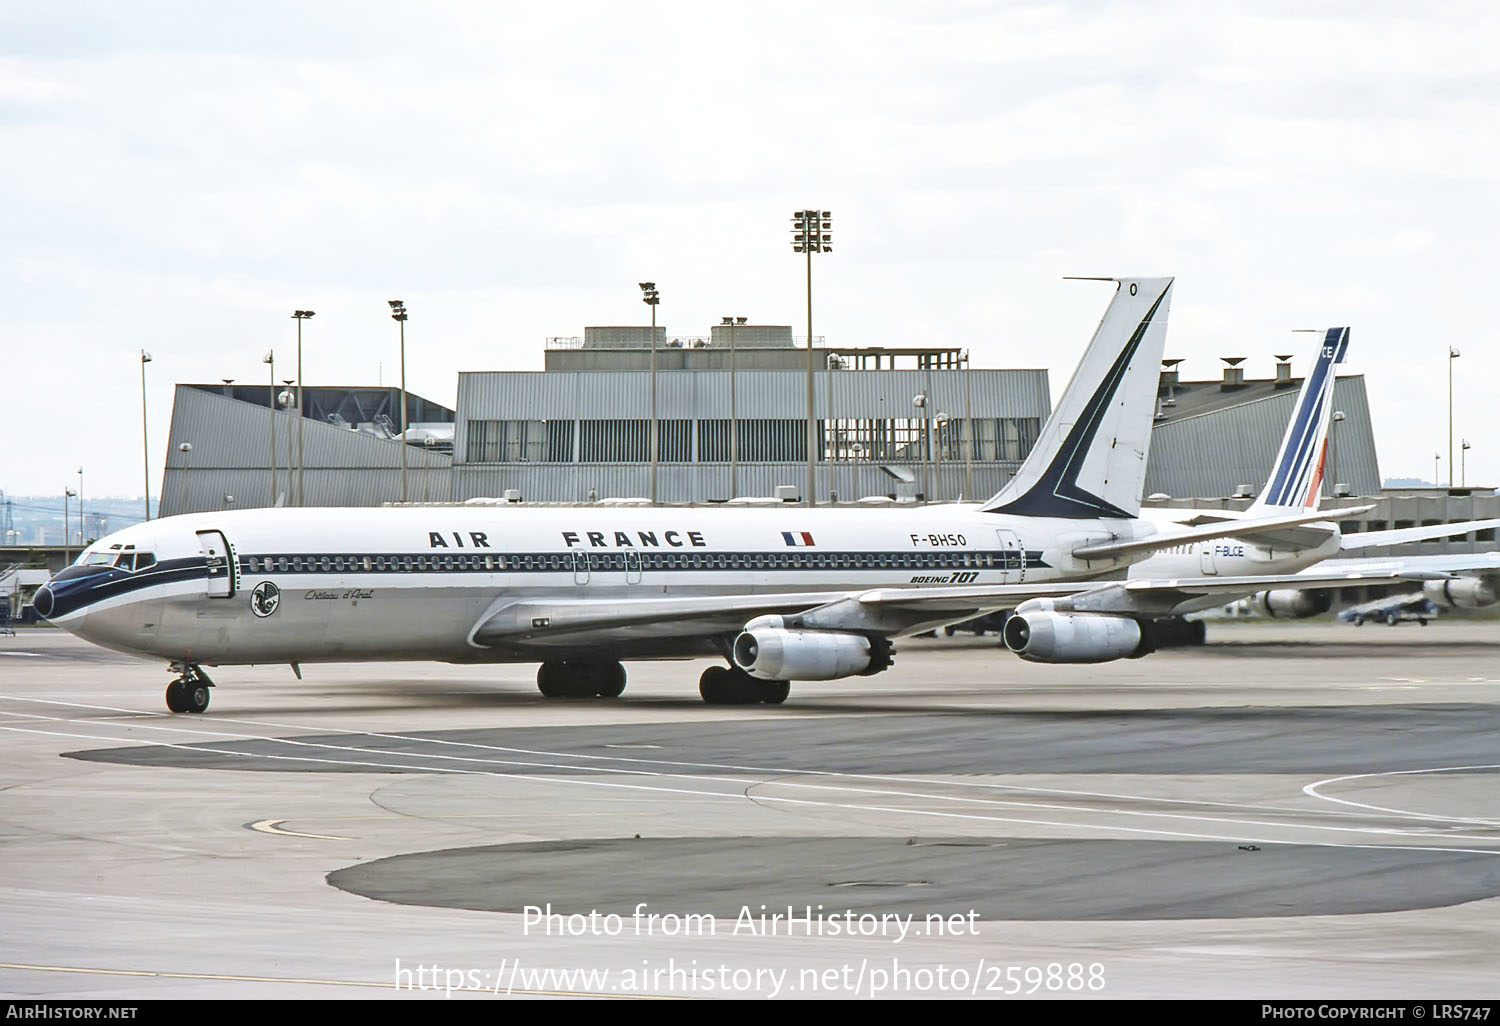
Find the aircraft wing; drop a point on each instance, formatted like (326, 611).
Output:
(1416, 567)
(555, 623)
(1370, 539)
(1287, 529)
(1139, 597)
(539, 620)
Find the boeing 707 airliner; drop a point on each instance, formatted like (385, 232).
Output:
(781, 594)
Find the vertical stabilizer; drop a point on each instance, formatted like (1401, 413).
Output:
(1090, 460)
(1297, 472)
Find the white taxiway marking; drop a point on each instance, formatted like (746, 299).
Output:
(1312, 791)
(273, 826)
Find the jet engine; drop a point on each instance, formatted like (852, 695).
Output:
(775, 653)
(1292, 603)
(1461, 592)
(1048, 637)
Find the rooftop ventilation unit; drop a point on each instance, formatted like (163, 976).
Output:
(1234, 374)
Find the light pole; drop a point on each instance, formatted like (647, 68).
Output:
(939, 422)
(811, 233)
(1463, 461)
(288, 399)
(830, 423)
(398, 314)
(83, 532)
(68, 493)
(734, 425)
(270, 358)
(651, 297)
(299, 316)
(145, 445)
(1333, 453)
(186, 448)
(1452, 355)
(968, 441)
(1436, 457)
(920, 402)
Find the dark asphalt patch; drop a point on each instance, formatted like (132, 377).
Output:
(1318, 741)
(995, 878)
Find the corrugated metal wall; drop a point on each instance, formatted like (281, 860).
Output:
(231, 456)
(688, 482)
(515, 395)
(1214, 453)
(879, 395)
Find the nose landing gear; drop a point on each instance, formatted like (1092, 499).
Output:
(189, 692)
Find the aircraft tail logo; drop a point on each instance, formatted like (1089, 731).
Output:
(1297, 472)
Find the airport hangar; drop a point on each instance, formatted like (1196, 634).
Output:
(891, 425)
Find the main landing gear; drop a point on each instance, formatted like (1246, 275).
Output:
(189, 692)
(580, 678)
(720, 685)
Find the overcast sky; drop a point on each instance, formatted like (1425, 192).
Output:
(180, 177)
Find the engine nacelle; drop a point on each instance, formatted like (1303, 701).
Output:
(1292, 603)
(775, 653)
(1461, 592)
(1046, 637)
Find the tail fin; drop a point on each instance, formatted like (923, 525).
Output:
(1090, 460)
(1297, 472)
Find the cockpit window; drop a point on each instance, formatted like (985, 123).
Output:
(99, 559)
(144, 559)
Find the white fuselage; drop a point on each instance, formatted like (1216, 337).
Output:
(1220, 557)
(324, 584)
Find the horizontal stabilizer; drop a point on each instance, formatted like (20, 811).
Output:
(1262, 526)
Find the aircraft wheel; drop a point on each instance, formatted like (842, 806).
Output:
(1392, 619)
(549, 680)
(612, 681)
(774, 692)
(177, 696)
(1197, 632)
(1359, 621)
(716, 685)
(195, 698)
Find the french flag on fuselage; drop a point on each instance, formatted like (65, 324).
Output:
(799, 538)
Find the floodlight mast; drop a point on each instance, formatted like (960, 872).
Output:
(398, 314)
(300, 316)
(812, 232)
(651, 297)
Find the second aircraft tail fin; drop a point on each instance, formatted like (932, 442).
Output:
(1297, 471)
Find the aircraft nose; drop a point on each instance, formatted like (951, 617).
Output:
(42, 602)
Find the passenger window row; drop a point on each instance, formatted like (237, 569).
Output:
(604, 562)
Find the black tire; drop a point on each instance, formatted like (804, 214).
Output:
(716, 686)
(774, 692)
(1392, 619)
(195, 697)
(549, 680)
(613, 678)
(177, 696)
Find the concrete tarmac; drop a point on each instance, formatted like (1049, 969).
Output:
(1291, 811)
